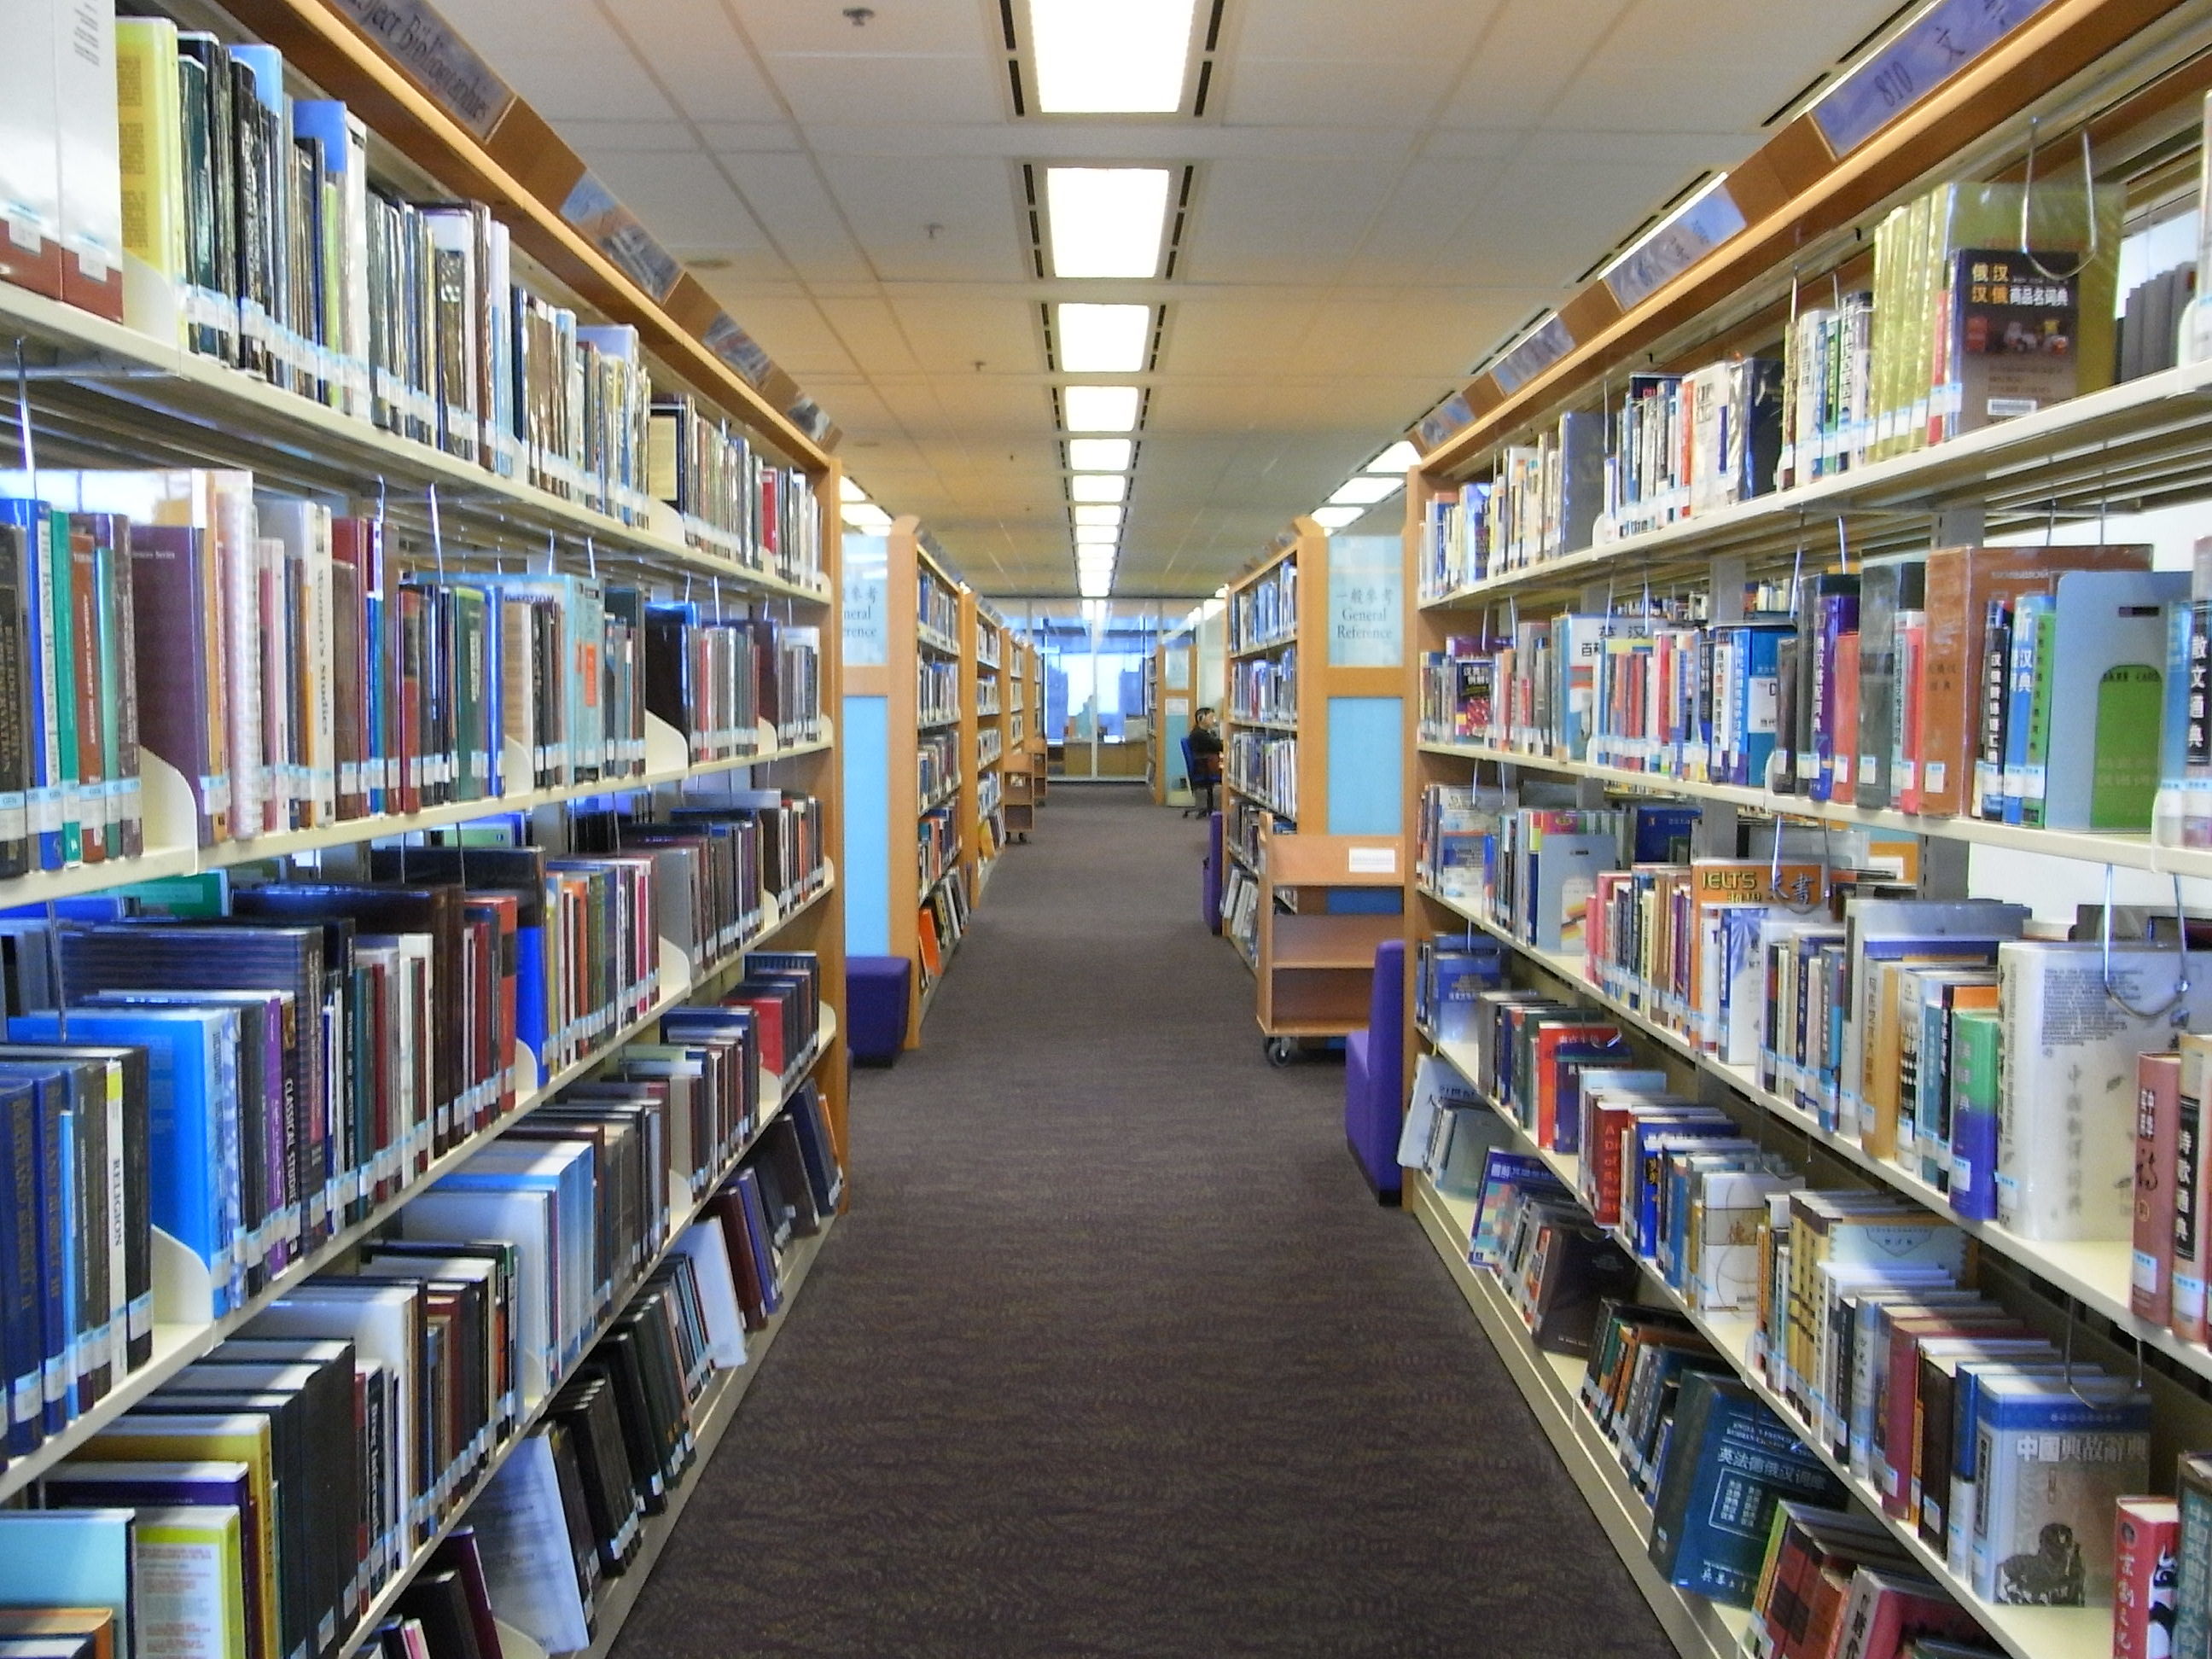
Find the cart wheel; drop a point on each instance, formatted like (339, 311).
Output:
(1280, 1051)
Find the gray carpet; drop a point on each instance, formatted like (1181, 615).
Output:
(1115, 1354)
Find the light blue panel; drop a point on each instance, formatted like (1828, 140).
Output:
(865, 736)
(1366, 762)
(1366, 766)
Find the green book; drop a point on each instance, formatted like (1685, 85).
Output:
(2038, 721)
(1976, 1050)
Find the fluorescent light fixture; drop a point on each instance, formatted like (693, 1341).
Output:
(1086, 555)
(1128, 59)
(1365, 491)
(1106, 222)
(1335, 517)
(1098, 513)
(1094, 586)
(1102, 339)
(1096, 535)
(1101, 571)
(1101, 408)
(1399, 458)
(849, 491)
(867, 518)
(1100, 454)
(1098, 487)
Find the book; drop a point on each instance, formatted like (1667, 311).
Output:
(2146, 1570)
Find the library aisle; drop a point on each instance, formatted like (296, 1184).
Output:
(1117, 1355)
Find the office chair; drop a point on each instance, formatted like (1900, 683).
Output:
(1201, 789)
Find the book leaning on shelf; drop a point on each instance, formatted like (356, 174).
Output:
(300, 1469)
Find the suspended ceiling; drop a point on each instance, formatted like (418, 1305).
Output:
(1384, 188)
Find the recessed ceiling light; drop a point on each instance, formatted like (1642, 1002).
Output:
(849, 491)
(1098, 487)
(1102, 339)
(1100, 454)
(1101, 408)
(1097, 534)
(867, 518)
(1094, 585)
(1128, 59)
(1096, 567)
(1106, 222)
(1335, 517)
(1399, 458)
(1365, 491)
(1096, 513)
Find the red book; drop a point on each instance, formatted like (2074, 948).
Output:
(1551, 1036)
(2158, 1114)
(2146, 1570)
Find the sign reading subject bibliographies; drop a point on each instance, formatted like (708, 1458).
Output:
(1366, 602)
(435, 59)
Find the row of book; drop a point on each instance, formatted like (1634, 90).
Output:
(1916, 1029)
(1265, 612)
(990, 795)
(1265, 768)
(990, 744)
(272, 654)
(1266, 688)
(1720, 1469)
(221, 1089)
(254, 235)
(937, 609)
(1962, 328)
(936, 766)
(936, 692)
(936, 845)
(2042, 686)
(943, 919)
(426, 1363)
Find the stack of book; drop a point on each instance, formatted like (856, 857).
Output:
(1264, 767)
(1266, 688)
(1267, 612)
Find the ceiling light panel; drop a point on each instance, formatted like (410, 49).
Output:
(1335, 517)
(1101, 408)
(1106, 222)
(1131, 58)
(1365, 491)
(1097, 513)
(1096, 535)
(1095, 586)
(1100, 454)
(1098, 487)
(1399, 458)
(1095, 339)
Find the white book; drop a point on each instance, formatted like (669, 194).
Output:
(2065, 1165)
(708, 1248)
(522, 1532)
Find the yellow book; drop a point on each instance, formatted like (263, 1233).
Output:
(150, 127)
(213, 1437)
(188, 1572)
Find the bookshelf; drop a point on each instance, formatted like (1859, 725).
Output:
(107, 395)
(1022, 769)
(1724, 573)
(983, 740)
(1311, 721)
(910, 735)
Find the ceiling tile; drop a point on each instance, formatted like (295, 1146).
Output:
(911, 90)
(891, 202)
(682, 197)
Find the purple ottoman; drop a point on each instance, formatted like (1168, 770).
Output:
(876, 993)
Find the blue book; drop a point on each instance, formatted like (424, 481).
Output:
(1759, 696)
(60, 1264)
(69, 1559)
(22, 1300)
(195, 1186)
(2019, 702)
(566, 1171)
(762, 1235)
(1729, 1460)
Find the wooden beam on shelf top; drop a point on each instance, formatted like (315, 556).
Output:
(1793, 190)
(524, 172)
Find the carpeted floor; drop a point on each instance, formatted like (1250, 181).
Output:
(1115, 1354)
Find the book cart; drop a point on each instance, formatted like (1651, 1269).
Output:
(909, 737)
(1022, 769)
(983, 738)
(1313, 747)
(98, 393)
(1728, 279)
